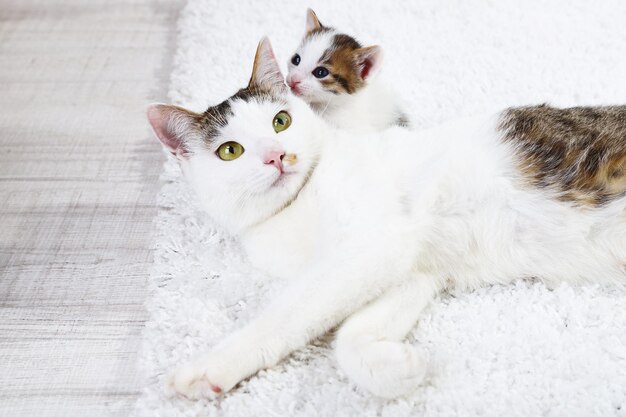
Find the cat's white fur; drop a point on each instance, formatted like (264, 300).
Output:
(374, 107)
(375, 225)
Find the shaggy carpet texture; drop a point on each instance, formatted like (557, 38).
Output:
(518, 350)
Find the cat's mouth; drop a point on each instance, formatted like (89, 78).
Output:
(295, 89)
(282, 178)
(285, 168)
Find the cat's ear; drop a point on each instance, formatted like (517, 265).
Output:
(368, 60)
(173, 126)
(312, 22)
(265, 71)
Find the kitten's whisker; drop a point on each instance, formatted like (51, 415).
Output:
(326, 107)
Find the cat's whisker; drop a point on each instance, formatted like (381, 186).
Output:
(326, 107)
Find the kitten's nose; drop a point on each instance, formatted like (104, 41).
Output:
(275, 157)
(293, 82)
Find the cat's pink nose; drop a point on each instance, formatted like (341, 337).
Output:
(293, 82)
(275, 157)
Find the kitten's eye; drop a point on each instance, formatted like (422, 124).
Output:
(320, 72)
(295, 60)
(229, 151)
(281, 121)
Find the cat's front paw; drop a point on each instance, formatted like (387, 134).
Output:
(202, 378)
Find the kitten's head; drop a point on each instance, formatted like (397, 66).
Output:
(248, 156)
(328, 63)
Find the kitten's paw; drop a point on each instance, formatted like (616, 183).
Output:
(202, 378)
(386, 369)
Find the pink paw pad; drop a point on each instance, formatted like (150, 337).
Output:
(215, 389)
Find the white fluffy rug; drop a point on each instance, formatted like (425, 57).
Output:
(519, 350)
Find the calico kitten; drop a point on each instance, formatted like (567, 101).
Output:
(369, 234)
(336, 75)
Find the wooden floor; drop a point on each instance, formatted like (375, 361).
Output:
(78, 179)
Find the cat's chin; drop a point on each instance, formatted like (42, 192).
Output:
(283, 179)
(319, 104)
(308, 96)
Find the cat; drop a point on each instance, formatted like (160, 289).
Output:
(337, 76)
(369, 232)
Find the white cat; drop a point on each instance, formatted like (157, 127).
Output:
(370, 227)
(338, 77)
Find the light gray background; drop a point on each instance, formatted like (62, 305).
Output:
(78, 179)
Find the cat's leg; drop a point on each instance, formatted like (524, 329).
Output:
(369, 346)
(307, 309)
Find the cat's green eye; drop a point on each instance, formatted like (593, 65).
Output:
(229, 151)
(281, 121)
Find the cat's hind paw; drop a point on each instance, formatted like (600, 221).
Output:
(387, 369)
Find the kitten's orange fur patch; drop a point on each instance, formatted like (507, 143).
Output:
(341, 59)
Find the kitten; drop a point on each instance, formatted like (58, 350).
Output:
(336, 75)
(369, 234)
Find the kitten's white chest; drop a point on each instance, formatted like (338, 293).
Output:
(372, 109)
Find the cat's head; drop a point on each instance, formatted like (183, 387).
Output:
(328, 63)
(248, 156)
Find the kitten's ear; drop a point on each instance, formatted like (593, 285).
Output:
(265, 71)
(368, 60)
(312, 22)
(173, 126)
